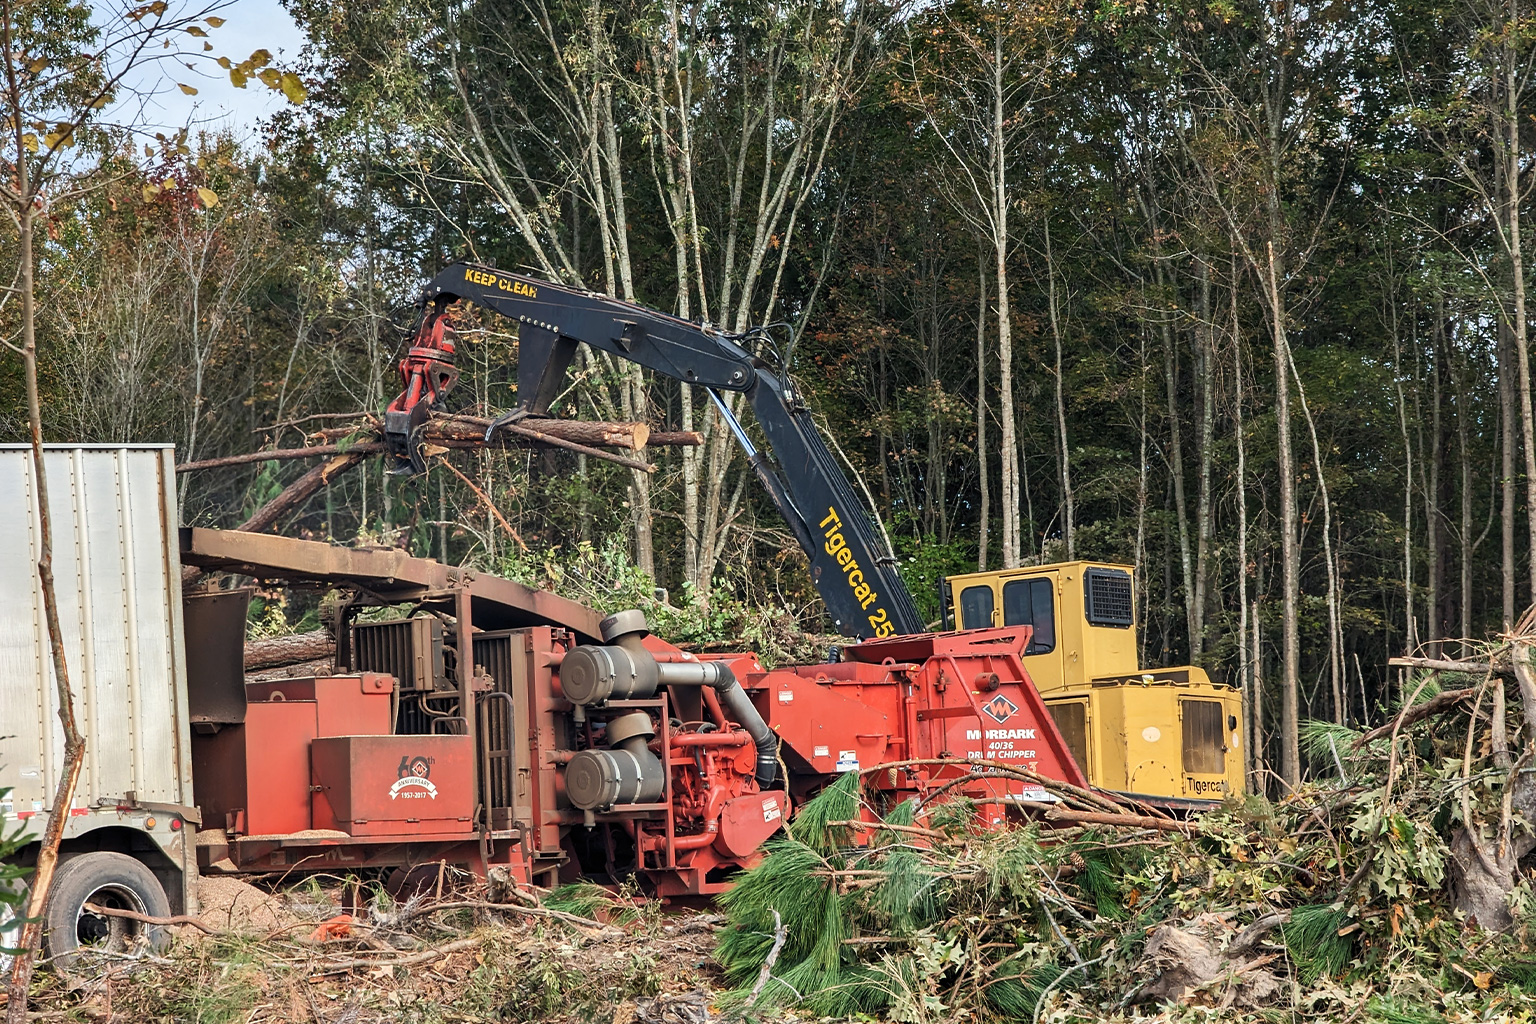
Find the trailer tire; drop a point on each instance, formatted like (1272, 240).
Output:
(112, 880)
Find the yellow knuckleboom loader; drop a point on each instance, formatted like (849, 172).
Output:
(1169, 736)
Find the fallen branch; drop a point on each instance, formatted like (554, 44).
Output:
(606, 930)
(409, 960)
(164, 922)
(1118, 820)
(1418, 712)
(313, 451)
(780, 933)
(1499, 666)
(888, 826)
(488, 504)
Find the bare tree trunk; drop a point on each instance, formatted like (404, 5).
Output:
(25, 213)
(1513, 155)
(1290, 555)
(1466, 514)
(1246, 665)
(1205, 373)
(999, 218)
(1176, 470)
(1335, 647)
(1141, 504)
(1067, 499)
(1433, 626)
(982, 459)
(1507, 473)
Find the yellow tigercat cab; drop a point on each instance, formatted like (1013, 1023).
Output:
(1168, 735)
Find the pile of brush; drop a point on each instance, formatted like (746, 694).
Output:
(1369, 894)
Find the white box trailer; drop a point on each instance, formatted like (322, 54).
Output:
(129, 838)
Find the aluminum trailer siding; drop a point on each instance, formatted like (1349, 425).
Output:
(118, 576)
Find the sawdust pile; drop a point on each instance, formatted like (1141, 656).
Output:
(236, 906)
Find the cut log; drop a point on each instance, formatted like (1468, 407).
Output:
(633, 436)
(290, 498)
(273, 651)
(1499, 667)
(459, 431)
(296, 493)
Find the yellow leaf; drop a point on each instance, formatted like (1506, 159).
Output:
(269, 77)
(237, 78)
(292, 87)
(101, 101)
(150, 191)
(209, 197)
(189, 90)
(261, 58)
(197, 30)
(29, 140)
(1482, 979)
(169, 184)
(207, 47)
(159, 7)
(214, 20)
(37, 65)
(224, 63)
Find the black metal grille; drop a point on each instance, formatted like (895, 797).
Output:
(1072, 721)
(411, 650)
(1108, 597)
(494, 653)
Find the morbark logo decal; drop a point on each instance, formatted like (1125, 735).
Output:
(1000, 709)
(414, 782)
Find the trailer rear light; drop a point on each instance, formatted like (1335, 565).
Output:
(175, 824)
(149, 822)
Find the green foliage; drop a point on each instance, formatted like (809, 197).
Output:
(13, 891)
(1313, 941)
(606, 579)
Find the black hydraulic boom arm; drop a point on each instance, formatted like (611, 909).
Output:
(860, 584)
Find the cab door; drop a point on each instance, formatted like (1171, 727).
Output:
(978, 607)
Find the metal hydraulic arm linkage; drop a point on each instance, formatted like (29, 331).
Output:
(861, 586)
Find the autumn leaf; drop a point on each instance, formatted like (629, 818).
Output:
(150, 191)
(208, 197)
(37, 65)
(196, 30)
(261, 58)
(29, 140)
(292, 87)
(214, 20)
(189, 90)
(237, 78)
(224, 63)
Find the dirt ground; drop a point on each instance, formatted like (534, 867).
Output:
(452, 959)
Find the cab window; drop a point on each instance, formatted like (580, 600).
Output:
(1032, 603)
(976, 607)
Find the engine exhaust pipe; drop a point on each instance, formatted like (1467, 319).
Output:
(622, 669)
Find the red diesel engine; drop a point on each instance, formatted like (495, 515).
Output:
(670, 765)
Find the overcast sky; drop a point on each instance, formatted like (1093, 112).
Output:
(249, 25)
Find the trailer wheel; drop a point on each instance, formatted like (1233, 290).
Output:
(112, 880)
